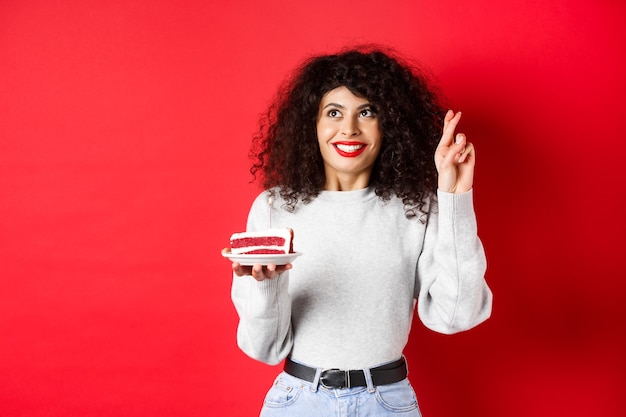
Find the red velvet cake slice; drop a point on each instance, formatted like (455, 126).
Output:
(272, 241)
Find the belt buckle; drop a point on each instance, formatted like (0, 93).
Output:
(330, 372)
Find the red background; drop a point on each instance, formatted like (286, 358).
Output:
(124, 130)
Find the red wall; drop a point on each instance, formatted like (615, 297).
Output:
(124, 130)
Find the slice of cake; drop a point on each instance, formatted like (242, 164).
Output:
(272, 241)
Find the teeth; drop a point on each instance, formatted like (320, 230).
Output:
(349, 148)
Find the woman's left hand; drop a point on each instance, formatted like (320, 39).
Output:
(455, 158)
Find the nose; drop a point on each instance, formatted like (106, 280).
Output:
(350, 127)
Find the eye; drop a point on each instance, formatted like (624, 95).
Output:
(334, 113)
(367, 113)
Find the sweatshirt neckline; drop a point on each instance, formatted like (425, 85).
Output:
(362, 194)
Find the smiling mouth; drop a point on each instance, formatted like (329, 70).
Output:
(349, 149)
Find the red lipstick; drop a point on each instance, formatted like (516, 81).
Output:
(349, 149)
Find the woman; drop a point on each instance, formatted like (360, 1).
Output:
(358, 158)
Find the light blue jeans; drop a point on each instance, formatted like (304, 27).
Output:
(293, 397)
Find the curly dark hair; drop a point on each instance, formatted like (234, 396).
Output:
(286, 151)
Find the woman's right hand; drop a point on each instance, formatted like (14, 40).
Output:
(260, 272)
(455, 158)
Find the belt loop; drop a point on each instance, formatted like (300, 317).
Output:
(368, 380)
(316, 380)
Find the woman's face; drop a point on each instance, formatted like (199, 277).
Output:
(349, 138)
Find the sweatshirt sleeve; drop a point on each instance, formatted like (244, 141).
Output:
(451, 290)
(264, 307)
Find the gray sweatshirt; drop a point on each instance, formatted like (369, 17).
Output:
(350, 298)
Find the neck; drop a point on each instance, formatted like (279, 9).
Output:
(340, 182)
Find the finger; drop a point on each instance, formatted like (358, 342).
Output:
(240, 270)
(284, 268)
(449, 115)
(460, 143)
(468, 152)
(450, 122)
(257, 272)
(270, 271)
(454, 151)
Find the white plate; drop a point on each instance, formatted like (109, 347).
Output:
(263, 259)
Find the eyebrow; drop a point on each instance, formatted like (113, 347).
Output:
(341, 106)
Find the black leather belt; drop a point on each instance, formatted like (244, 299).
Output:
(338, 378)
